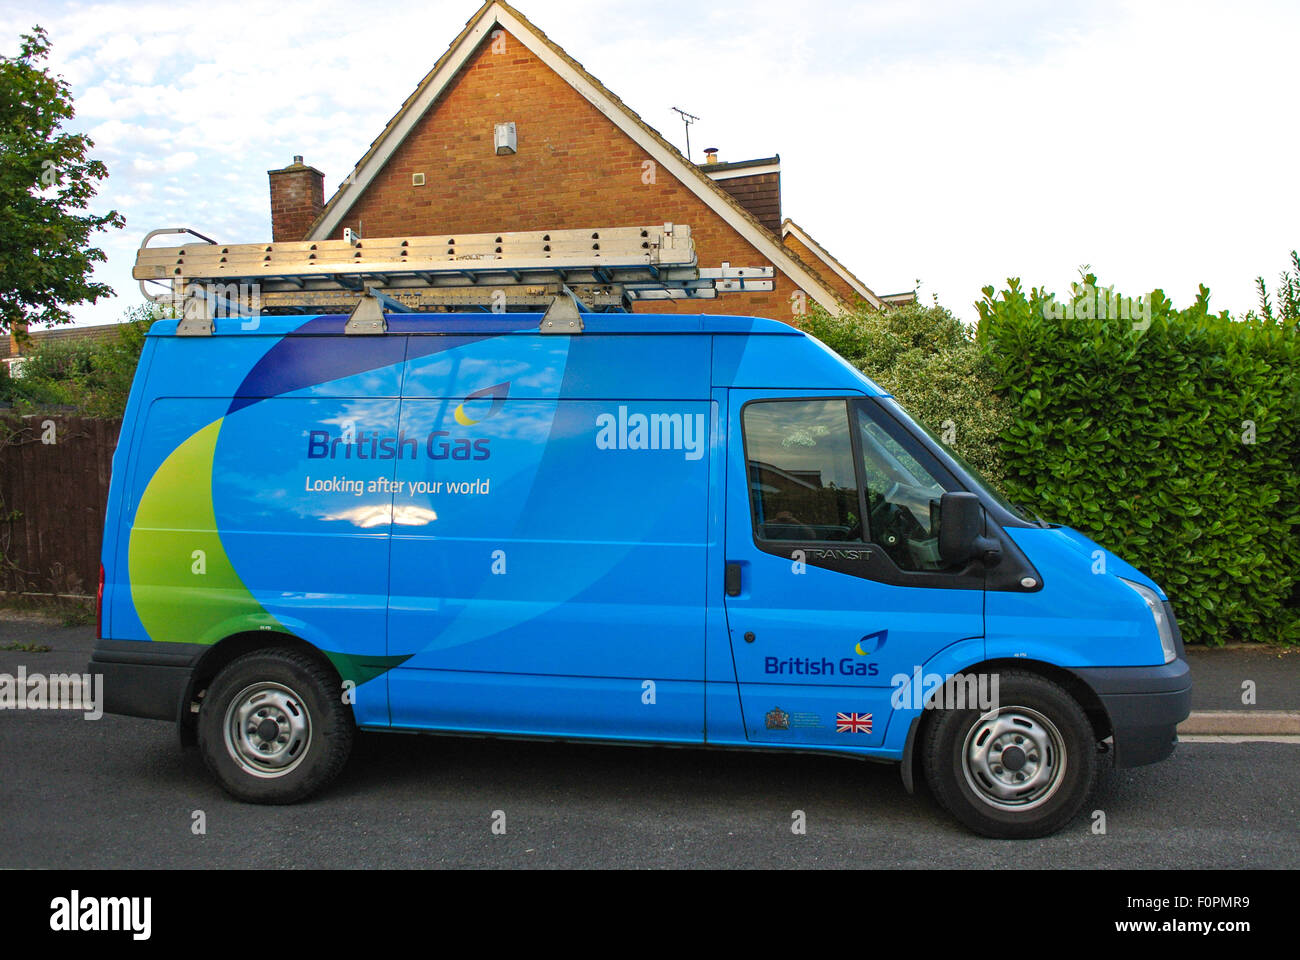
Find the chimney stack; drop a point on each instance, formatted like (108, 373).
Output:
(710, 154)
(297, 199)
(754, 184)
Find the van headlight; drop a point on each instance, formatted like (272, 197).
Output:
(1158, 614)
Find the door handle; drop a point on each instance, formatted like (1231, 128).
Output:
(731, 580)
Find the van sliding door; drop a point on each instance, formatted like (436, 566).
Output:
(548, 549)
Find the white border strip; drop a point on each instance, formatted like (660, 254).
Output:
(743, 172)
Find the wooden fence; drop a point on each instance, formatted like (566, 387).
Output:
(54, 473)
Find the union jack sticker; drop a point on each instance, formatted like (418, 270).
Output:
(852, 723)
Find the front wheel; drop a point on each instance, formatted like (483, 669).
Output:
(273, 727)
(1023, 769)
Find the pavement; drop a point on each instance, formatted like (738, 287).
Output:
(1244, 690)
(1238, 690)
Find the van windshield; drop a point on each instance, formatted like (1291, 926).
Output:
(983, 486)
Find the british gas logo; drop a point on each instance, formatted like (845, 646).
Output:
(353, 444)
(496, 397)
(871, 643)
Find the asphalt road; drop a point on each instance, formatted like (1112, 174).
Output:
(119, 792)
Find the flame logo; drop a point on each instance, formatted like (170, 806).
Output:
(871, 642)
(498, 394)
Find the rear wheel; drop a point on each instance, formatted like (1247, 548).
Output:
(1023, 769)
(273, 727)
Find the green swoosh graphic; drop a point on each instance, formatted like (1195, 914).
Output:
(360, 669)
(175, 603)
(174, 521)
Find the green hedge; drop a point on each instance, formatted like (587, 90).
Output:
(1171, 437)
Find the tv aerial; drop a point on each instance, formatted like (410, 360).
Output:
(687, 119)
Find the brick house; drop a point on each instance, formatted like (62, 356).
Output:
(574, 156)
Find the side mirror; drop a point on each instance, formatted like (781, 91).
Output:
(961, 529)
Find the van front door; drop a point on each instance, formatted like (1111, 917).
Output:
(835, 586)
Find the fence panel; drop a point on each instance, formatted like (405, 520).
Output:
(54, 473)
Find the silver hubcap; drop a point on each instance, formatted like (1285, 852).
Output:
(268, 729)
(1014, 758)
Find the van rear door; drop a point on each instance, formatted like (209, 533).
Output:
(834, 586)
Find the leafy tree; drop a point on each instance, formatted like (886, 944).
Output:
(46, 181)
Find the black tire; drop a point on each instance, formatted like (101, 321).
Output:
(290, 733)
(971, 767)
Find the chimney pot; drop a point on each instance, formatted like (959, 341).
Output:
(297, 158)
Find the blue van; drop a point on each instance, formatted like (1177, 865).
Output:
(701, 531)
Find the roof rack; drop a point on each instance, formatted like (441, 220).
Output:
(597, 270)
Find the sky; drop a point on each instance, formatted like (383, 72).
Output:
(951, 143)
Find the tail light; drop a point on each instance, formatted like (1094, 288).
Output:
(99, 606)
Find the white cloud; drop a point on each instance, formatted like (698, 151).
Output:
(168, 164)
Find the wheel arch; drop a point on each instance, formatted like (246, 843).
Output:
(1083, 694)
(227, 651)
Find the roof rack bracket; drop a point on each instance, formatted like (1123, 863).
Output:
(367, 317)
(564, 315)
(196, 318)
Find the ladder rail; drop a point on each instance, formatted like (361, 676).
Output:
(144, 245)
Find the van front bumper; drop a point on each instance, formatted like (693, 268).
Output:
(1145, 705)
(145, 678)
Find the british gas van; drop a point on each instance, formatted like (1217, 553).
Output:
(706, 531)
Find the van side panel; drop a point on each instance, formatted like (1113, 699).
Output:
(550, 577)
(305, 520)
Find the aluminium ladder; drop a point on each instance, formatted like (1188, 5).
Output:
(570, 271)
